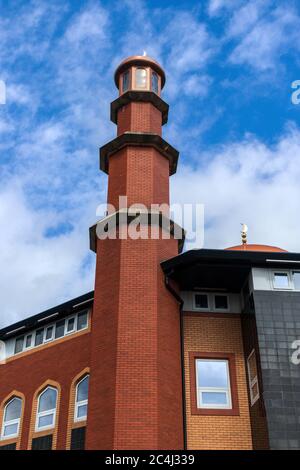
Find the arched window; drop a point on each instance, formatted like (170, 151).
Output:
(141, 78)
(46, 409)
(11, 418)
(81, 399)
(154, 82)
(125, 81)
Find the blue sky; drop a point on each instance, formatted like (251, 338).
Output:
(229, 66)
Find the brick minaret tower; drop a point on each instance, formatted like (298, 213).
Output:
(135, 399)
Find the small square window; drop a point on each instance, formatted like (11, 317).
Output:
(59, 329)
(70, 325)
(221, 302)
(39, 337)
(19, 344)
(296, 279)
(49, 333)
(201, 301)
(281, 281)
(82, 320)
(28, 341)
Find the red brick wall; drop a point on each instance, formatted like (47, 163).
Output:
(139, 117)
(60, 362)
(141, 174)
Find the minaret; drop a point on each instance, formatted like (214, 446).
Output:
(135, 399)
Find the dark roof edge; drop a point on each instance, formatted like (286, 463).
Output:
(63, 309)
(246, 258)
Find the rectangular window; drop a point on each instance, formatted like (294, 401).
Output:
(82, 320)
(252, 376)
(70, 325)
(28, 341)
(213, 383)
(78, 439)
(39, 337)
(221, 302)
(19, 344)
(201, 301)
(59, 329)
(281, 280)
(49, 333)
(296, 279)
(42, 443)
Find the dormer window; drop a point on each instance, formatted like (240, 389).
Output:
(154, 82)
(125, 81)
(141, 78)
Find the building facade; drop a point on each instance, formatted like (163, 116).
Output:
(172, 349)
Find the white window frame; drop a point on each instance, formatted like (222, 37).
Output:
(254, 381)
(74, 327)
(80, 403)
(52, 335)
(288, 274)
(11, 422)
(45, 413)
(32, 337)
(200, 390)
(201, 309)
(292, 279)
(221, 309)
(87, 320)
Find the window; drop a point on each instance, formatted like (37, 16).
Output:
(296, 279)
(42, 443)
(221, 302)
(59, 329)
(11, 419)
(125, 81)
(253, 379)
(19, 344)
(81, 399)
(201, 301)
(281, 280)
(28, 341)
(39, 337)
(141, 78)
(213, 383)
(49, 333)
(154, 82)
(46, 410)
(78, 439)
(82, 320)
(70, 325)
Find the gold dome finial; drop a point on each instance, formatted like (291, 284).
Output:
(244, 233)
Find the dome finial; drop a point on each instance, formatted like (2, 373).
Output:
(244, 233)
(144, 53)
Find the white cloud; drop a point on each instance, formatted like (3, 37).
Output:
(263, 40)
(248, 182)
(215, 7)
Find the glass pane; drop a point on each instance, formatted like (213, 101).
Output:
(60, 329)
(71, 323)
(221, 302)
(82, 320)
(39, 336)
(296, 277)
(82, 389)
(255, 390)
(155, 82)
(252, 366)
(13, 409)
(125, 83)
(281, 280)
(10, 429)
(28, 341)
(19, 344)
(49, 332)
(214, 398)
(201, 301)
(212, 373)
(141, 78)
(45, 420)
(48, 400)
(81, 411)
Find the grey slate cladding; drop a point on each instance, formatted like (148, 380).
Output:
(278, 325)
